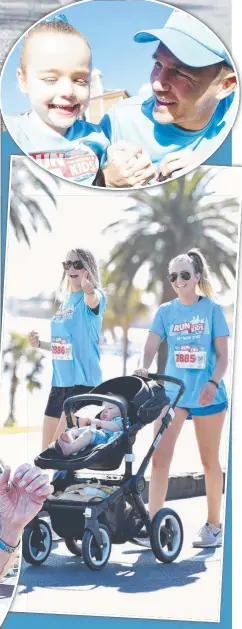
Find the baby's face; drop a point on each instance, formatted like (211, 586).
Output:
(57, 78)
(110, 411)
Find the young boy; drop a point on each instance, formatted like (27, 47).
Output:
(110, 427)
(55, 72)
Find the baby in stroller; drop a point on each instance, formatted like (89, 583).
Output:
(119, 514)
(100, 430)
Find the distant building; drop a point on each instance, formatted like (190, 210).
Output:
(101, 99)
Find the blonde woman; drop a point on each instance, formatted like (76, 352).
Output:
(75, 336)
(196, 332)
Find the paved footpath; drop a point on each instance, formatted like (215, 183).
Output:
(133, 584)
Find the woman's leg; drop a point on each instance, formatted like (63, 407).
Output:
(208, 429)
(49, 428)
(60, 427)
(161, 461)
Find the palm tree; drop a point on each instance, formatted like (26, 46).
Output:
(167, 220)
(122, 311)
(17, 352)
(25, 211)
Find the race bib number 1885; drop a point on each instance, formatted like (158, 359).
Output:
(188, 359)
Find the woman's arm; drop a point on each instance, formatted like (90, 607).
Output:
(91, 295)
(11, 536)
(37, 343)
(20, 501)
(150, 350)
(208, 391)
(46, 345)
(221, 349)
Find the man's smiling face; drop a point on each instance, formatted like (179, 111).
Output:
(184, 96)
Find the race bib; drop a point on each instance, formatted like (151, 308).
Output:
(78, 164)
(61, 350)
(190, 358)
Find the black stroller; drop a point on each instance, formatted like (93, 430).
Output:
(90, 528)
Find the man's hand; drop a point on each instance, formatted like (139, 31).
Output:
(128, 166)
(177, 161)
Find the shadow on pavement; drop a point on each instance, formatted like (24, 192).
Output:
(69, 571)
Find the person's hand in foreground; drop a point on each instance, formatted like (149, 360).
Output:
(128, 166)
(20, 500)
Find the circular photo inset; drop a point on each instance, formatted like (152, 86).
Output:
(119, 94)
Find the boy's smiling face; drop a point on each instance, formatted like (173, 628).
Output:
(57, 78)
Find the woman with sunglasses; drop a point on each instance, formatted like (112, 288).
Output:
(196, 332)
(75, 336)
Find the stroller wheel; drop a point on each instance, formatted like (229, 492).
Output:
(94, 557)
(74, 546)
(37, 543)
(166, 536)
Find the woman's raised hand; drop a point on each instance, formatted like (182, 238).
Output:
(34, 339)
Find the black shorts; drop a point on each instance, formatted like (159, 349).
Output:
(58, 395)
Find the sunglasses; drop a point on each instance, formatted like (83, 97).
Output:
(185, 275)
(77, 264)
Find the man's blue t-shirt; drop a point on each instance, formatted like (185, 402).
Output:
(75, 337)
(190, 332)
(76, 156)
(132, 120)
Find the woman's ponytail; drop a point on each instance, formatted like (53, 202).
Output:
(201, 267)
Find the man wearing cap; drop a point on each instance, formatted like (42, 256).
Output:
(191, 110)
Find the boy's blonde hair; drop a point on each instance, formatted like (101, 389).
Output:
(201, 267)
(55, 26)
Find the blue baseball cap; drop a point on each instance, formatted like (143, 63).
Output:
(189, 40)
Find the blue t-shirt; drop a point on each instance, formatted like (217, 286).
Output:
(132, 120)
(190, 332)
(110, 435)
(76, 156)
(75, 335)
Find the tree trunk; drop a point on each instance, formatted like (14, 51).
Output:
(11, 420)
(125, 349)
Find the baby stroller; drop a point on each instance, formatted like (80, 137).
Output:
(89, 527)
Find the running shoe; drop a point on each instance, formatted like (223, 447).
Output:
(208, 536)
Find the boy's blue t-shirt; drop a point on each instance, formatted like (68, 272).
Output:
(190, 332)
(132, 120)
(75, 336)
(110, 434)
(76, 156)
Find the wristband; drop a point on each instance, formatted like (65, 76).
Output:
(215, 383)
(7, 547)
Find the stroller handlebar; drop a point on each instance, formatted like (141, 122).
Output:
(179, 383)
(161, 376)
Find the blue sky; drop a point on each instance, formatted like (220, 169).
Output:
(109, 27)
